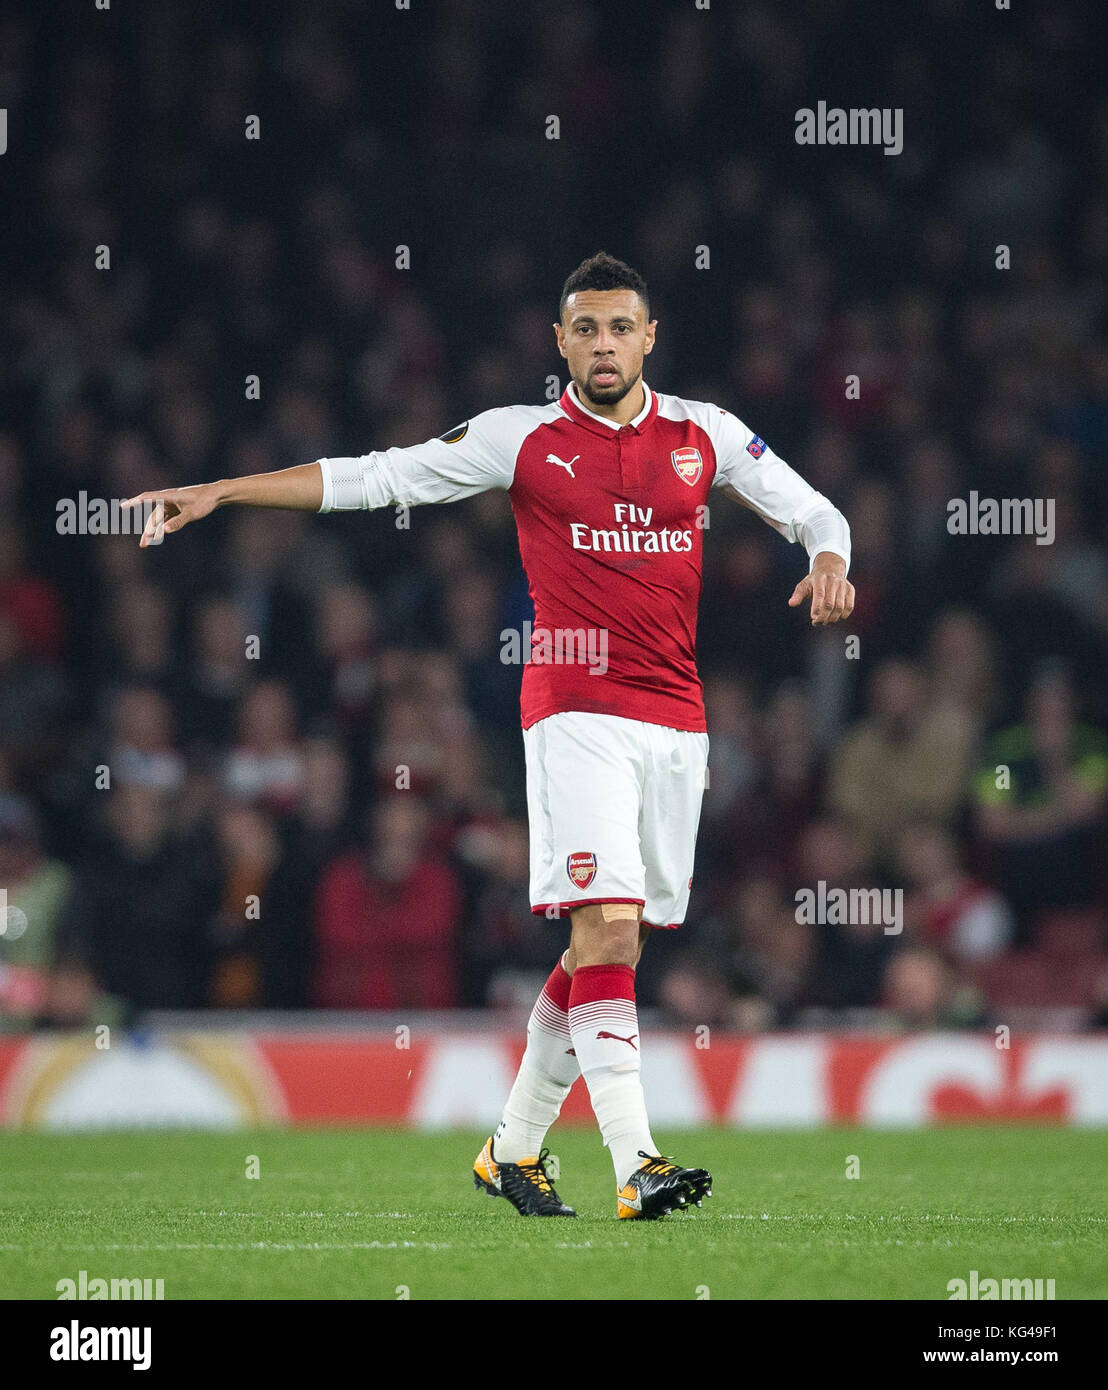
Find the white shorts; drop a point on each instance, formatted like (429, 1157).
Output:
(613, 806)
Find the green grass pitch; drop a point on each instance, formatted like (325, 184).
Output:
(368, 1214)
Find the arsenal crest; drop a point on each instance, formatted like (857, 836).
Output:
(581, 868)
(688, 464)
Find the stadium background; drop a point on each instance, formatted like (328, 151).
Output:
(379, 646)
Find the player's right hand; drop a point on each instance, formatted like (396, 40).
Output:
(174, 508)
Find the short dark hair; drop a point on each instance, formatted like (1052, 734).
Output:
(604, 272)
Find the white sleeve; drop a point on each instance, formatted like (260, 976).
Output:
(474, 457)
(749, 471)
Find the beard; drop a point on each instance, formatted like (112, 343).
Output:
(607, 395)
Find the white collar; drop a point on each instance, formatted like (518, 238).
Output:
(639, 418)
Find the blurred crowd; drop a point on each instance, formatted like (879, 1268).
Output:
(276, 761)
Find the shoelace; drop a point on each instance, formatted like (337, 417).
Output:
(656, 1163)
(538, 1171)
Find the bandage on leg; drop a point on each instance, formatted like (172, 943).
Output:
(616, 912)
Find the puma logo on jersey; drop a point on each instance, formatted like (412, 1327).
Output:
(553, 458)
(616, 1038)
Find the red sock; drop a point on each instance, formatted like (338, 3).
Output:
(592, 985)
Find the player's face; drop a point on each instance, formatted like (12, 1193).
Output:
(604, 336)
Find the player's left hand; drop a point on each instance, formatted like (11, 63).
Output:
(832, 594)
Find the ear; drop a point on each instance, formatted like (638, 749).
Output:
(560, 334)
(648, 341)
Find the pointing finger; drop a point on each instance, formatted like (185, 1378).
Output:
(153, 522)
(819, 600)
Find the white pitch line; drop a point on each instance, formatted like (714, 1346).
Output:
(851, 1216)
(262, 1245)
(33, 1175)
(262, 1214)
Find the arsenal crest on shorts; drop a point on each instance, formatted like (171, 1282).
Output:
(581, 868)
(688, 464)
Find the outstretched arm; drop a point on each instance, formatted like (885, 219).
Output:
(293, 489)
(472, 458)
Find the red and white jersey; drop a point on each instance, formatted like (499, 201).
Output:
(611, 522)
